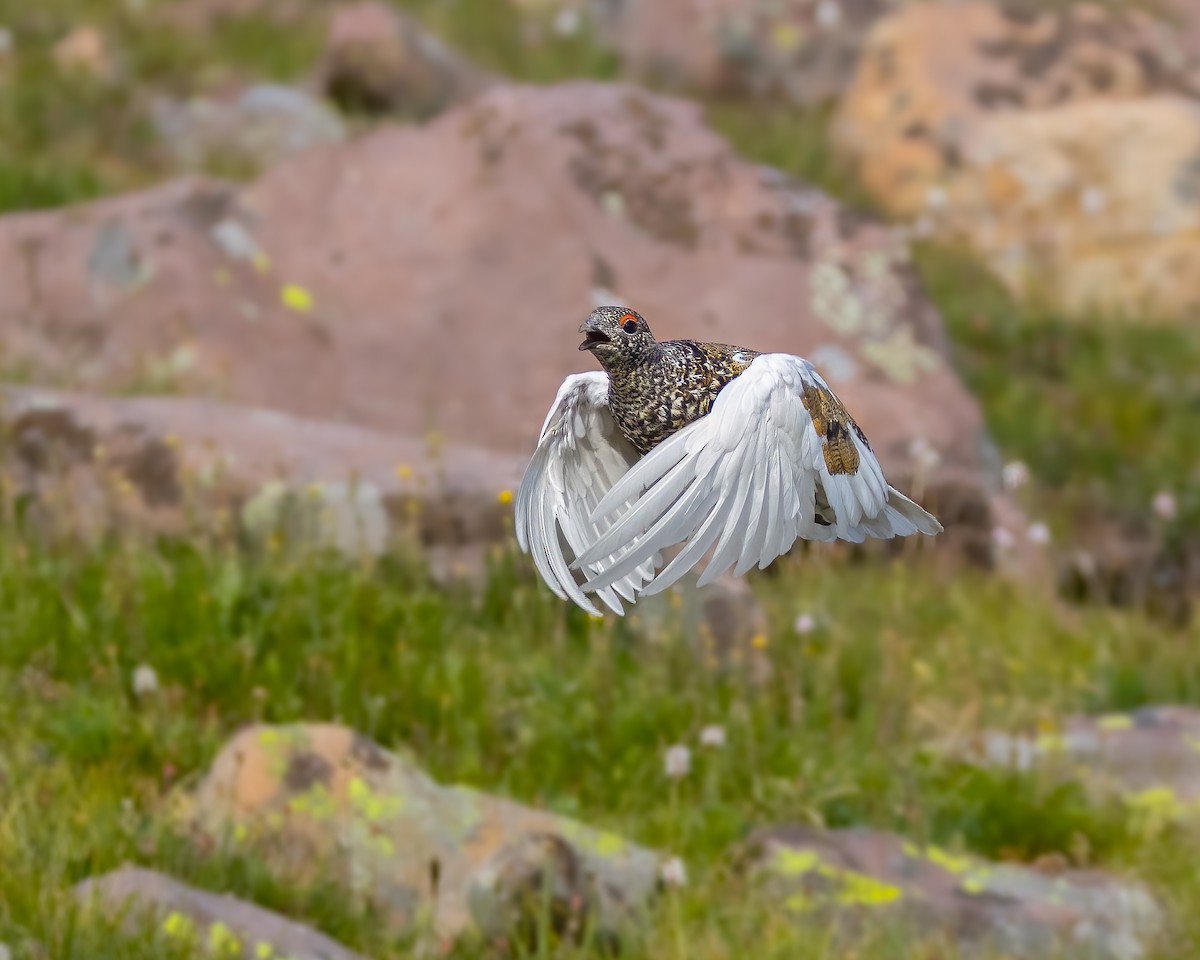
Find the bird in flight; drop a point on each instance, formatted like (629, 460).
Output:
(713, 446)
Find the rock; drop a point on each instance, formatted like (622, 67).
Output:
(258, 128)
(996, 126)
(84, 51)
(1149, 757)
(162, 463)
(221, 925)
(320, 800)
(802, 52)
(378, 59)
(348, 263)
(864, 876)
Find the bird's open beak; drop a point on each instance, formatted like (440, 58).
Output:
(592, 336)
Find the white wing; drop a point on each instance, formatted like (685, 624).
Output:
(580, 455)
(776, 459)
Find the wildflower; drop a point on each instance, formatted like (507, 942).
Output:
(712, 736)
(1038, 533)
(924, 454)
(145, 680)
(1164, 505)
(673, 872)
(6, 45)
(505, 496)
(1015, 474)
(678, 761)
(759, 641)
(1002, 537)
(566, 24)
(805, 623)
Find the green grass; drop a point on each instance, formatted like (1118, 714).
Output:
(514, 693)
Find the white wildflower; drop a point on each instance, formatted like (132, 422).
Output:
(1002, 537)
(1164, 505)
(805, 623)
(678, 761)
(673, 872)
(925, 455)
(1015, 474)
(145, 680)
(567, 23)
(712, 736)
(1038, 533)
(6, 45)
(829, 14)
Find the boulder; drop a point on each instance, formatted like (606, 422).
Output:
(378, 59)
(191, 919)
(1148, 757)
(162, 463)
(802, 52)
(320, 800)
(1061, 145)
(860, 877)
(429, 281)
(255, 129)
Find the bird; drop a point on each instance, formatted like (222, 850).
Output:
(716, 447)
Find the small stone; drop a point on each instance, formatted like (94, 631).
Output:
(678, 761)
(829, 14)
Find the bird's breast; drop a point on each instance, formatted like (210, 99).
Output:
(655, 400)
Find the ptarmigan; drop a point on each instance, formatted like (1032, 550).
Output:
(717, 447)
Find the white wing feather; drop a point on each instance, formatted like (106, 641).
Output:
(745, 481)
(580, 455)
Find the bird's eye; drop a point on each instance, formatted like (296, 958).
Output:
(629, 326)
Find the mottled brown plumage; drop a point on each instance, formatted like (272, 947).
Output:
(657, 388)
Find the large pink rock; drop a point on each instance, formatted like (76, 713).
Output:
(429, 281)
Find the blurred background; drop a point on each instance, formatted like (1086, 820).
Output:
(286, 289)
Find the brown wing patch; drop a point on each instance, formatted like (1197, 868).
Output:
(728, 359)
(833, 425)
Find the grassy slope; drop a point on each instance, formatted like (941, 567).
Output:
(513, 693)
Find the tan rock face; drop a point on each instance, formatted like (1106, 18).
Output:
(429, 282)
(802, 50)
(322, 800)
(1063, 146)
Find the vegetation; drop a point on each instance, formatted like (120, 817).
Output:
(511, 691)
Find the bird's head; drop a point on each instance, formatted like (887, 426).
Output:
(617, 336)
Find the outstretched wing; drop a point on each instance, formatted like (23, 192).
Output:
(580, 455)
(776, 459)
